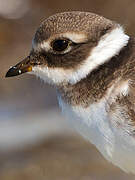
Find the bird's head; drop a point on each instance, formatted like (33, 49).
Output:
(68, 46)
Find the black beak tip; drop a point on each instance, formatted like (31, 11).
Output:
(13, 71)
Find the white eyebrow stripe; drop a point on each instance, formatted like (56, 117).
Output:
(74, 37)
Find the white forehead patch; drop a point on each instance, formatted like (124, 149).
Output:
(46, 45)
(39, 46)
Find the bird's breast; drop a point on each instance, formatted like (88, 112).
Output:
(95, 125)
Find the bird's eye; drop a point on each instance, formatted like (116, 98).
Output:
(60, 45)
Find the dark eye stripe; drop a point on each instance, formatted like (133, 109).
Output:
(60, 45)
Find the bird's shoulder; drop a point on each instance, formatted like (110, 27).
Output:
(122, 109)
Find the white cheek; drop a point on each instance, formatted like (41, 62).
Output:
(51, 75)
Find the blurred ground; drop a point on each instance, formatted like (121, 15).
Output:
(35, 141)
(60, 158)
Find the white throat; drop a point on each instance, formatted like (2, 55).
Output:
(108, 47)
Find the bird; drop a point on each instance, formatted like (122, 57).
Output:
(90, 61)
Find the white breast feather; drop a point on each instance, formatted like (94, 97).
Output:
(94, 123)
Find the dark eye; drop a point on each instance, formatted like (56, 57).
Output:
(60, 45)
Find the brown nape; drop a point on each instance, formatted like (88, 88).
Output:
(95, 85)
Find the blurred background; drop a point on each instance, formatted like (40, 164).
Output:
(36, 142)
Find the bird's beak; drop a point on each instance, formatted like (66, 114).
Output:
(20, 68)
